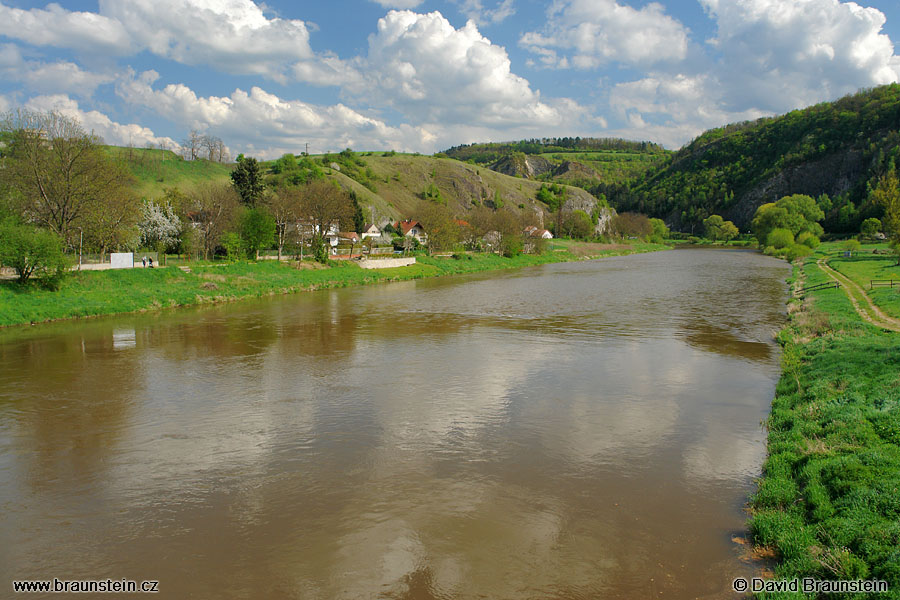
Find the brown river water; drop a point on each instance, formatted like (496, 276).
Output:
(580, 430)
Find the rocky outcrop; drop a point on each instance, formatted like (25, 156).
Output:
(522, 165)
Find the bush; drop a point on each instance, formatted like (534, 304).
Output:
(780, 238)
(33, 252)
(797, 251)
(808, 239)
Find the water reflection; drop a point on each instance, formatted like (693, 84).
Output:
(572, 431)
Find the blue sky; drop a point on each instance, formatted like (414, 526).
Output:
(423, 75)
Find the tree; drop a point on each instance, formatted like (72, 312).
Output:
(887, 195)
(359, 219)
(248, 180)
(63, 180)
(632, 225)
(285, 207)
(780, 238)
(797, 213)
(30, 251)
(160, 226)
(870, 227)
(257, 231)
(480, 221)
(719, 229)
(852, 245)
(212, 210)
(324, 204)
(577, 224)
(438, 221)
(659, 232)
(509, 230)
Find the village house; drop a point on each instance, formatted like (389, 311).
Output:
(370, 231)
(413, 229)
(535, 232)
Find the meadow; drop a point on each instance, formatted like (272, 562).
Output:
(828, 503)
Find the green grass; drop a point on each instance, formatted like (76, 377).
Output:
(829, 499)
(156, 170)
(864, 266)
(93, 293)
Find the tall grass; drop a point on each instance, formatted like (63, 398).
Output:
(828, 502)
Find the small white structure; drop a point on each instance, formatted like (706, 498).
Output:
(121, 260)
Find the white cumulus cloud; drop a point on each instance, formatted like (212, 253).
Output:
(56, 26)
(779, 55)
(263, 124)
(593, 33)
(112, 132)
(431, 72)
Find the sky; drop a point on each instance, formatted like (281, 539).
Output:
(424, 75)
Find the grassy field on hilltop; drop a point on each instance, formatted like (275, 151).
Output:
(156, 170)
(828, 503)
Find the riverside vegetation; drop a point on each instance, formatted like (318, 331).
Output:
(94, 293)
(828, 503)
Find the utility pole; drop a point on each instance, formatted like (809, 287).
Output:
(307, 148)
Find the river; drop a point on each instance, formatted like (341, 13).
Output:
(577, 430)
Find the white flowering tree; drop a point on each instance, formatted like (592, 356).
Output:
(160, 227)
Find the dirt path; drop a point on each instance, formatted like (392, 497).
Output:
(869, 311)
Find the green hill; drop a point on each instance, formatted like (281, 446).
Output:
(388, 185)
(583, 162)
(838, 149)
(155, 170)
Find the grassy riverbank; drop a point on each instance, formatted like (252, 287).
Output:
(93, 293)
(828, 504)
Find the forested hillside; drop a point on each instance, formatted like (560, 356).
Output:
(582, 162)
(833, 151)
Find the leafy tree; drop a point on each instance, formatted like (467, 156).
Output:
(433, 193)
(30, 251)
(887, 195)
(63, 180)
(257, 231)
(852, 245)
(809, 240)
(780, 238)
(248, 180)
(719, 229)
(234, 245)
(578, 225)
(659, 232)
(287, 162)
(797, 213)
(438, 221)
(870, 227)
(509, 230)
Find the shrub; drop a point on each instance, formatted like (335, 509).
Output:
(780, 238)
(808, 239)
(33, 252)
(797, 251)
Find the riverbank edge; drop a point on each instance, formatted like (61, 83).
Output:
(106, 293)
(827, 505)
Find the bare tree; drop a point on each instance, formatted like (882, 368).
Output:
(285, 205)
(325, 203)
(62, 176)
(213, 208)
(192, 145)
